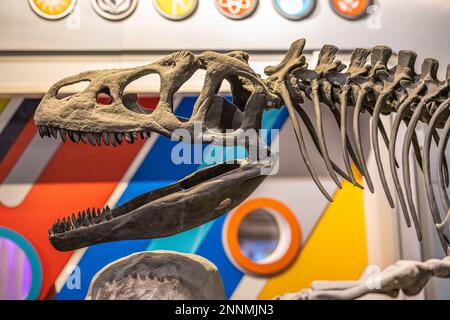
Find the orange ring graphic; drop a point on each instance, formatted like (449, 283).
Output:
(231, 239)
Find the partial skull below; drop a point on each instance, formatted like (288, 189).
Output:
(158, 275)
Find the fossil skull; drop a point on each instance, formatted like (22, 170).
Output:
(158, 275)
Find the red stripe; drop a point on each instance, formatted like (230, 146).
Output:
(77, 177)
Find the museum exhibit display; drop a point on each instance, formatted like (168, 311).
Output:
(260, 158)
(210, 192)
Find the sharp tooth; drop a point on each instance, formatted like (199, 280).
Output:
(112, 138)
(98, 138)
(91, 138)
(107, 208)
(85, 221)
(74, 220)
(54, 132)
(105, 137)
(143, 135)
(62, 226)
(45, 131)
(88, 212)
(119, 137)
(129, 138)
(83, 137)
(70, 133)
(76, 136)
(63, 134)
(135, 135)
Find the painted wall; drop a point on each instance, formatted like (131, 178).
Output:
(44, 179)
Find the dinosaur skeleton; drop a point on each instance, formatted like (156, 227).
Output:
(206, 194)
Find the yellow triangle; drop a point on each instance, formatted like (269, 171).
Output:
(336, 249)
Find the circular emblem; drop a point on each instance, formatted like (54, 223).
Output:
(295, 9)
(52, 9)
(350, 9)
(237, 9)
(114, 9)
(286, 247)
(176, 9)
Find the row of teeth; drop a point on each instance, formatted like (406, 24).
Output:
(144, 278)
(85, 218)
(94, 138)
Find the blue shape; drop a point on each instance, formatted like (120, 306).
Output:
(95, 258)
(213, 250)
(187, 242)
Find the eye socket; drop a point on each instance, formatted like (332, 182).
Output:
(135, 95)
(104, 97)
(71, 89)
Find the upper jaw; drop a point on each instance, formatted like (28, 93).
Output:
(197, 199)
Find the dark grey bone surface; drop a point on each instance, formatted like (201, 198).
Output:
(408, 277)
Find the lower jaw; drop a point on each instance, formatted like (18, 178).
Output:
(195, 200)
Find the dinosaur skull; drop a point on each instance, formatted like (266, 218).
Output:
(81, 115)
(158, 275)
(195, 200)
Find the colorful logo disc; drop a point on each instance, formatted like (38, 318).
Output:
(350, 9)
(295, 9)
(176, 9)
(114, 9)
(237, 9)
(52, 9)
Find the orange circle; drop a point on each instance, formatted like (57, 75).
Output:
(354, 8)
(237, 9)
(231, 239)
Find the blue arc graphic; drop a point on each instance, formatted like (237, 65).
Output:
(295, 9)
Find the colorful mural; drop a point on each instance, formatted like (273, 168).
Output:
(42, 179)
